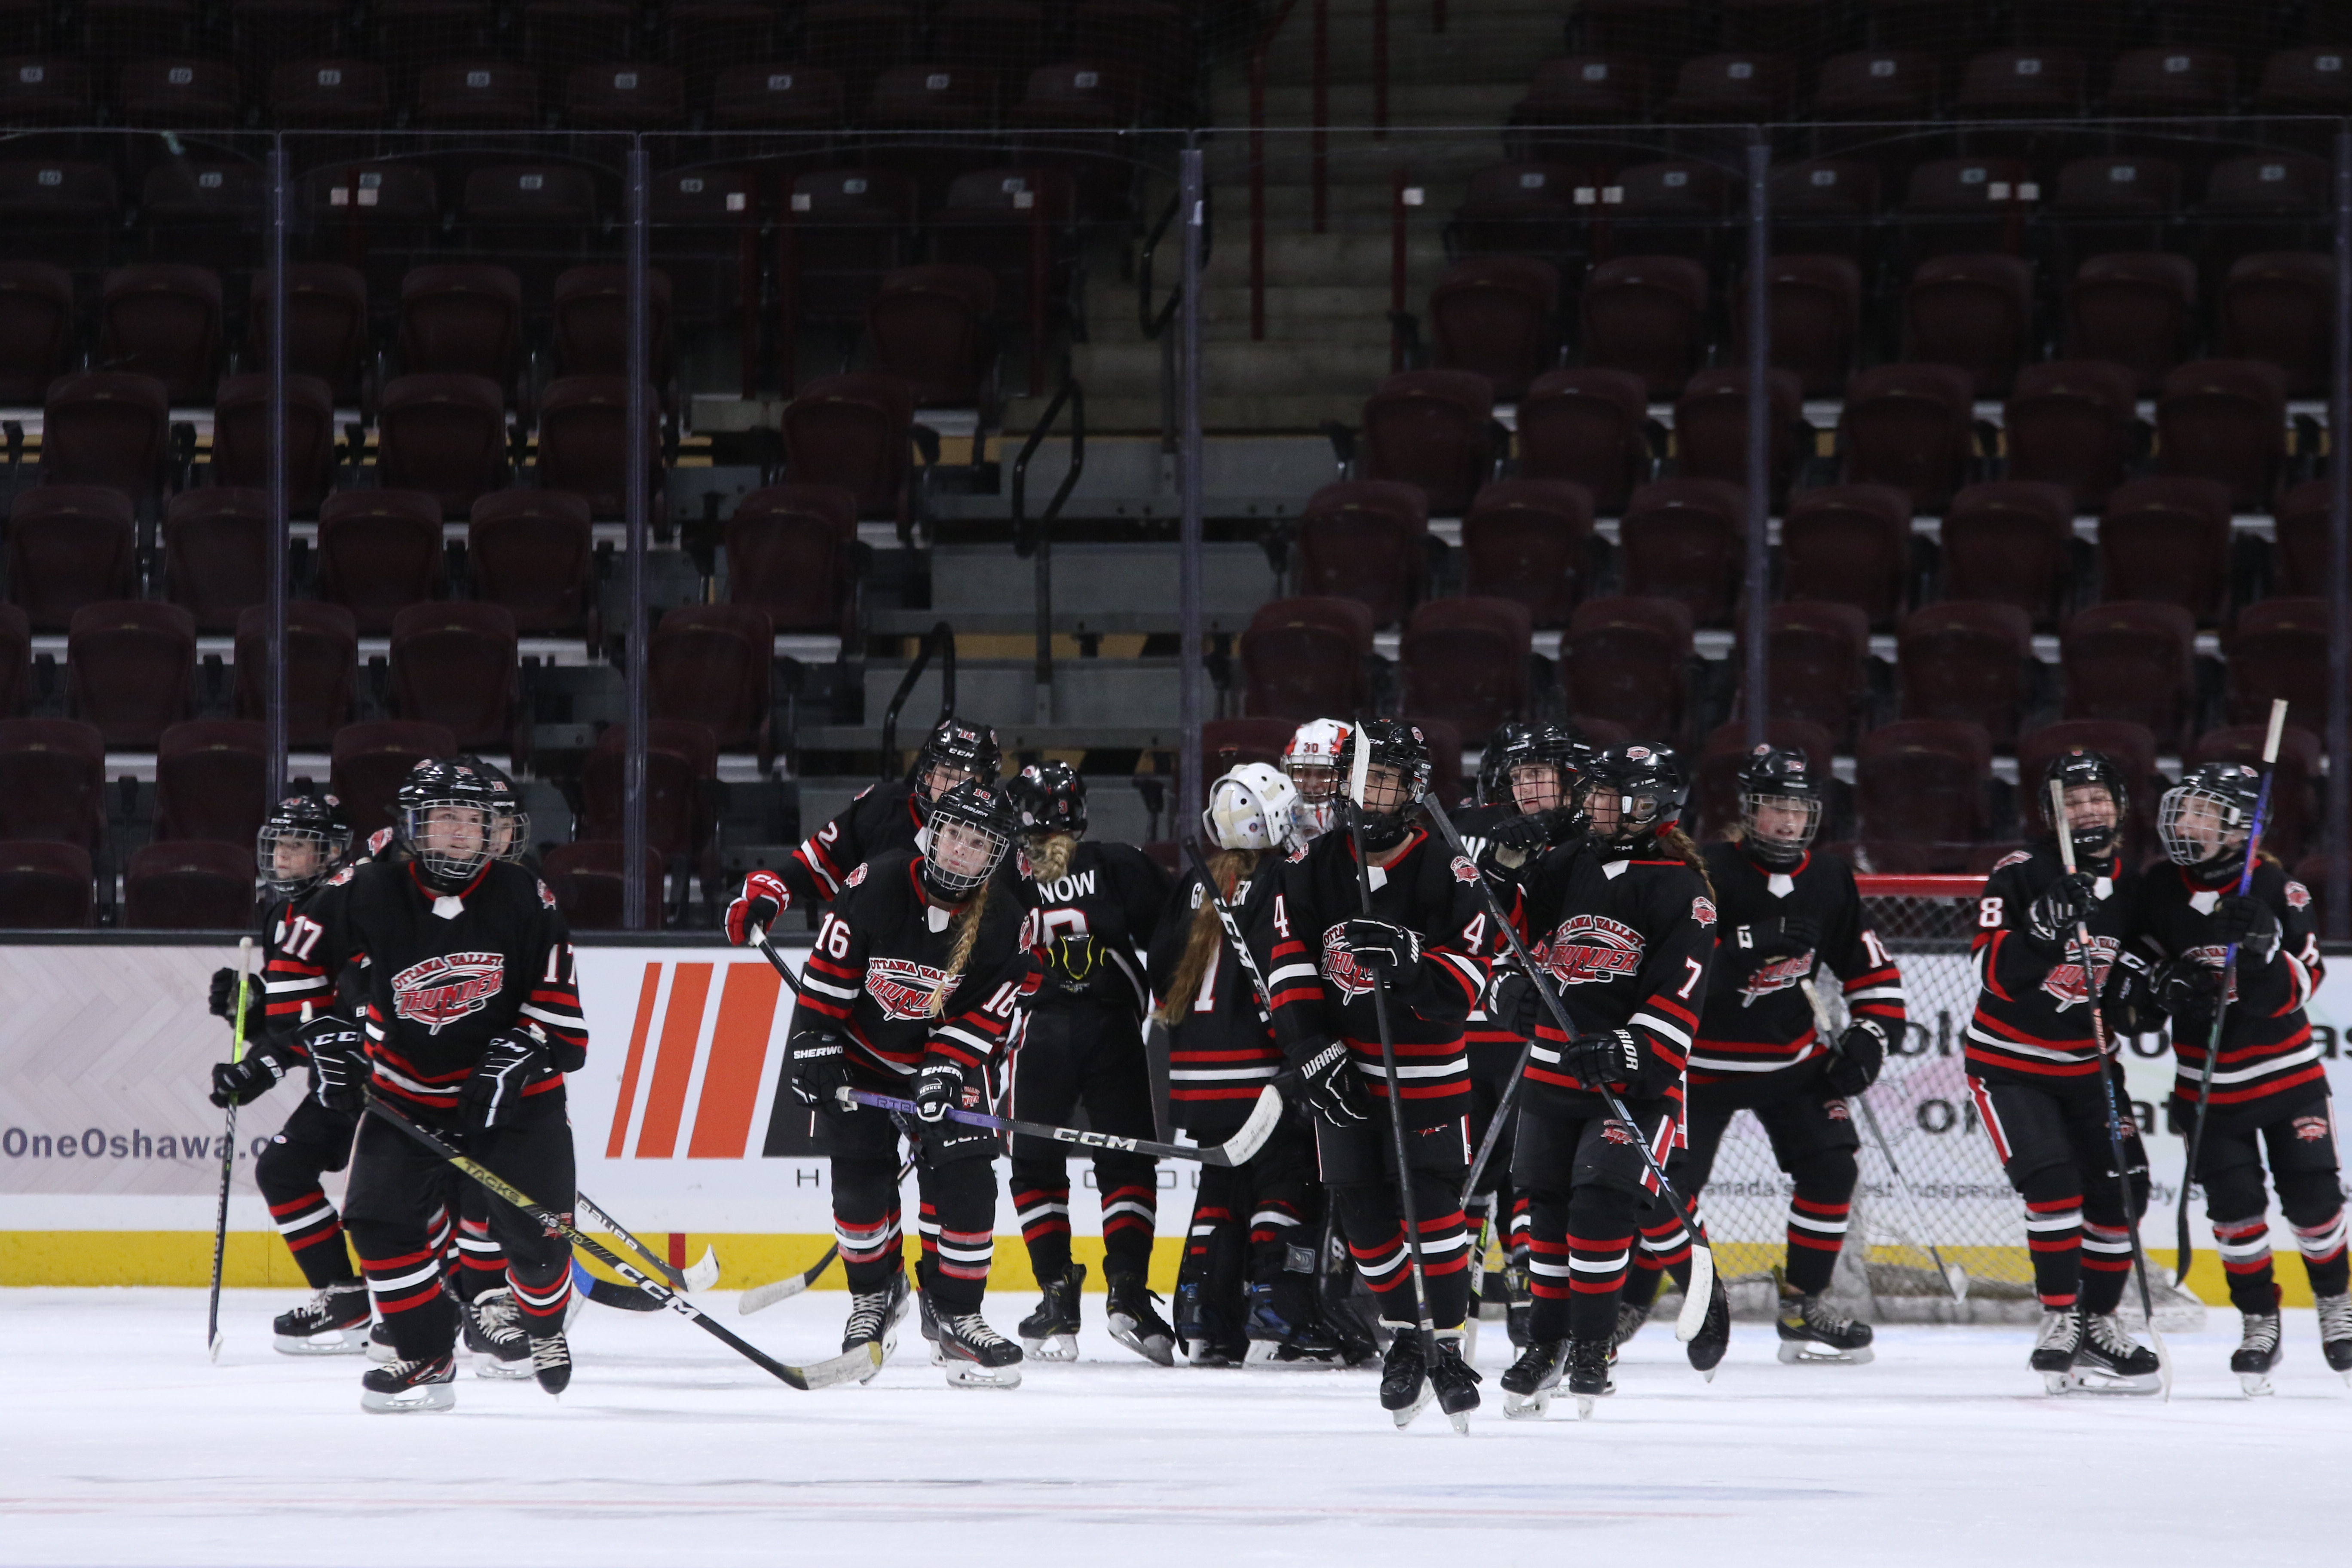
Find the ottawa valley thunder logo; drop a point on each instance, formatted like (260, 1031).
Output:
(2065, 981)
(903, 989)
(440, 991)
(1592, 950)
(1774, 975)
(1339, 965)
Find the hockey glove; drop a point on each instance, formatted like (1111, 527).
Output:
(2189, 992)
(763, 900)
(1513, 1002)
(1520, 838)
(939, 1088)
(1859, 1057)
(2179, 1114)
(1334, 1089)
(820, 1070)
(1614, 1055)
(2052, 915)
(493, 1096)
(2130, 1001)
(243, 1082)
(2249, 923)
(338, 1064)
(1782, 936)
(1378, 946)
(222, 1001)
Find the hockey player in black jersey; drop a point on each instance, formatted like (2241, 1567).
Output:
(920, 970)
(1426, 942)
(2034, 1065)
(1622, 926)
(884, 817)
(470, 1021)
(1097, 904)
(302, 841)
(2269, 1085)
(1786, 908)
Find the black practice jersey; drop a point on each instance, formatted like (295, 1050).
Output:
(1221, 1049)
(2032, 1019)
(1093, 919)
(1319, 994)
(293, 977)
(882, 819)
(1477, 823)
(880, 974)
(1757, 1018)
(2266, 1044)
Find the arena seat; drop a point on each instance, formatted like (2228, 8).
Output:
(2073, 422)
(2132, 662)
(1715, 788)
(2134, 309)
(2279, 307)
(241, 438)
(1530, 540)
(45, 90)
(1975, 312)
(1588, 427)
(1814, 673)
(53, 782)
(216, 553)
(774, 95)
(330, 93)
(1686, 540)
(205, 215)
(583, 436)
(1964, 207)
(1522, 210)
(1877, 84)
(419, 33)
(15, 661)
(376, 216)
(474, 95)
(326, 323)
(264, 33)
(713, 664)
(2291, 827)
(704, 241)
(369, 762)
(859, 40)
(1919, 794)
(1019, 226)
(590, 888)
(462, 318)
(1150, 40)
(851, 431)
(1432, 429)
(1582, 89)
(1079, 108)
(189, 885)
(2272, 200)
(1815, 315)
(1646, 314)
(454, 664)
(321, 663)
(2278, 648)
(706, 37)
(589, 326)
(43, 886)
(843, 229)
(1675, 207)
(2224, 420)
(1966, 662)
(1227, 743)
(1711, 429)
(1497, 316)
(1825, 208)
(1910, 426)
(212, 781)
(105, 427)
(1305, 659)
(681, 776)
(177, 91)
(2126, 202)
(634, 95)
(1627, 661)
(131, 667)
(1850, 545)
(1465, 660)
(64, 211)
(2022, 84)
(38, 331)
(2172, 79)
(2167, 542)
(1736, 87)
(2303, 528)
(2010, 542)
(790, 553)
(532, 553)
(930, 327)
(444, 434)
(562, 36)
(69, 545)
(2309, 80)
(380, 551)
(1365, 540)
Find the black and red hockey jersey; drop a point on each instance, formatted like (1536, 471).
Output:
(1319, 994)
(2032, 1019)
(444, 974)
(1092, 919)
(1221, 1049)
(1757, 1019)
(879, 972)
(2266, 1044)
(882, 819)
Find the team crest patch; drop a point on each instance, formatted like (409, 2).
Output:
(340, 878)
(1703, 910)
(2065, 981)
(2014, 857)
(971, 1097)
(1774, 975)
(2311, 1129)
(904, 989)
(545, 896)
(1297, 855)
(438, 991)
(1464, 871)
(854, 878)
(1591, 949)
(1836, 1110)
(2298, 897)
(1339, 965)
(1619, 1133)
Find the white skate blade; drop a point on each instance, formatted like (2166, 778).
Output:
(2083, 1381)
(1420, 1398)
(427, 1396)
(1808, 1353)
(1528, 1406)
(1584, 1407)
(1052, 1347)
(487, 1365)
(2254, 1384)
(1697, 1296)
(1157, 1349)
(2057, 1383)
(333, 1342)
(971, 1375)
(1461, 1419)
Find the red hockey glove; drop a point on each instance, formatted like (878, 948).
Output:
(765, 898)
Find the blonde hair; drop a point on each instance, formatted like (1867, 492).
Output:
(967, 936)
(1228, 867)
(1048, 857)
(1675, 839)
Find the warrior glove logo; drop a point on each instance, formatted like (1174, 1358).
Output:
(906, 991)
(2065, 981)
(1339, 966)
(440, 991)
(1592, 949)
(1775, 975)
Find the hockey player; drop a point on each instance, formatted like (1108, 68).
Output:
(511, 832)
(921, 969)
(303, 840)
(471, 1022)
(2033, 1067)
(1097, 904)
(2270, 1087)
(1787, 908)
(884, 817)
(1312, 761)
(1624, 928)
(1425, 942)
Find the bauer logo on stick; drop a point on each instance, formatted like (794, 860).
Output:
(438, 991)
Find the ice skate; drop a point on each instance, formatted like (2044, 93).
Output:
(1453, 1379)
(2110, 1361)
(2054, 1351)
(2335, 1333)
(379, 1345)
(1404, 1379)
(1708, 1346)
(550, 1361)
(1133, 1315)
(332, 1322)
(1282, 1330)
(495, 1337)
(401, 1386)
(874, 1317)
(975, 1355)
(1812, 1331)
(1530, 1382)
(2258, 1352)
(1051, 1332)
(1630, 1320)
(1206, 1338)
(929, 1323)
(1587, 1374)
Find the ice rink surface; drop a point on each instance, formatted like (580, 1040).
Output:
(119, 1444)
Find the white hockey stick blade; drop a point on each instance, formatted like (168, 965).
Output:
(1697, 1295)
(1958, 1278)
(759, 1298)
(2163, 1363)
(704, 1272)
(214, 1349)
(1263, 1118)
(852, 1366)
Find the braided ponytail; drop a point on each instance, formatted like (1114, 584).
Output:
(1679, 842)
(967, 929)
(1229, 866)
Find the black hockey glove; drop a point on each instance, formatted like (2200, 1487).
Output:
(1513, 1002)
(2131, 1001)
(493, 1096)
(1614, 1056)
(1520, 838)
(820, 1070)
(939, 1088)
(222, 1000)
(1782, 936)
(1858, 1057)
(1334, 1090)
(338, 1064)
(2189, 992)
(2179, 1114)
(2052, 915)
(2248, 922)
(1378, 946)
(243, 1082)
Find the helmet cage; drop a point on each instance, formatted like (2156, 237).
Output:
(2196, 798)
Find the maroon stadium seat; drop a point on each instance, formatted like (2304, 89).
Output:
(681, 771)
(414, 33)
(2167, 542)
(380, 551)
(590, 325)
(1004, 37)
(216, 554)
(445, 435)
(1522, 209)
(1497, 316)
(1150, 40)
(369, 762)
(2126, 202)
(1016, 225)
(2022, 84)
(1966, 662)
(1679, 207)
(2225, 420)
(1365, 540)
(1686, 540)
(1815, 313)
(2073, 422)
(105, 427)
(2303, 528)
(2132, 662)
(132, 667)
(583, 441)
(1973, 312)
(2280, 307)
(322, 662)
(44, 89)
(851, 431)
(1588, 427)
(44, 887)
(560, 35)
(59, 210)
(375, 216)
(329, 94)
(704, 242)
(2128, 745)
(540, 216)
(2009, 543)
(713, 664)
(630, 96)
(859, 40)
(206, 217)
(1530, 540)
(1305, 659)
(2292, 826)
(1964, 207)
(2272, 200)
(52, 781)
(590, 888)
(789, 552)
(1466, 661)
(1627, 660)
(1583, 89)
(1919, 791)
(2312, 80)
(776, 97)
(1823, 209)
(1079, 107)
(1815, 672)
(454, 664)
(1737, 86)
(461, 319)
(1877, 84)
(1714, 791)
(1850, 545)
(69, 545)
(178, 92)
(212, 781)
(2279, 648)
(241, 438)
(1433, 429)
(533, 553)
(2172, 79)
(16, 661)
(477, 95)
(1799, 26)
(1646, 314)
(189, 885)
(929, 327)
(1711, 429)
(2137, 310)
(37, 328)
(1908, 425)
(843, 229)
(1227, 743)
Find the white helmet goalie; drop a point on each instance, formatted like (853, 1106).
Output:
(1312, 761)
(1252, 807)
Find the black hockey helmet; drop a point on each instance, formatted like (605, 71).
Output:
(1771, 776)
(1564, 750)
(302, 840)
(2204, 820)
(1050, 798)
(955, 751)
(1386, 744)
(1495, 763)
(965, 838)
(1640, 789)
(2076, 768)
(448, 823)
(505, 799)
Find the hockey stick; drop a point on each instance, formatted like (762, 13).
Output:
(228, 1153)
(610, 1293)
(2182, 1246)
(759, 1298)
(850, 1368)
(1700, 1291)
(1233, 930)
(2085, 956)
(1956, 1278)
(702, 1276)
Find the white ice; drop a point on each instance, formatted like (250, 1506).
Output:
(119, 1443)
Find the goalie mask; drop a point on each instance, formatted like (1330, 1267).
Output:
(448, 824)
(1633, 794)
(301, 842)
(2096, 827)
(1312, 761)
(965, 838)
(2204, 820)
(1780, 807)
(1396, 762)
(1251, 807)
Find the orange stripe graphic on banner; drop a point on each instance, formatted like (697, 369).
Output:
(628, 1100)
(739, 1050)
(689, 987)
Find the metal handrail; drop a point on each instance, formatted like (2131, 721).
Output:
(942, 639)
(1038, 541)
(1258, 167)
